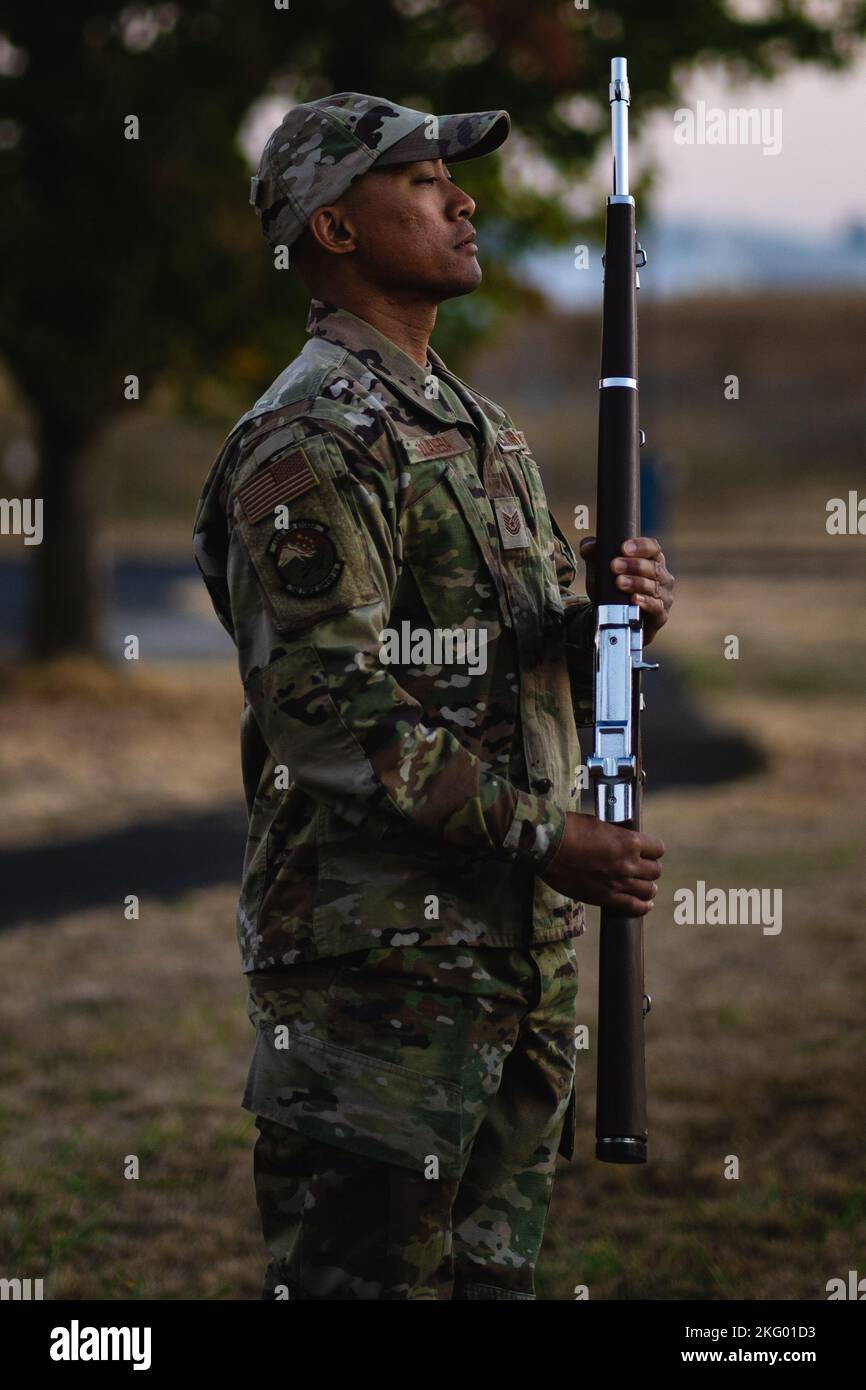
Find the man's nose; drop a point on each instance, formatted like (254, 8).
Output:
(461, 203)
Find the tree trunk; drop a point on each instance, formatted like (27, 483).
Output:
(65, 605)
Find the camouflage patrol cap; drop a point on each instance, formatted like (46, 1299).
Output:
(321, 147)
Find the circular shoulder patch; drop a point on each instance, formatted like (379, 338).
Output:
(305, 557)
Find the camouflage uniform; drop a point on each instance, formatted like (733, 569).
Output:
(410, 1102)
(412, 979)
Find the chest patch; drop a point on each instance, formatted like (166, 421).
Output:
(435, 446)
(512, 527)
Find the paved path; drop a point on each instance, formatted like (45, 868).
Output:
(182, 852)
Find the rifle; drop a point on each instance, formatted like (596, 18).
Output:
(615, 768)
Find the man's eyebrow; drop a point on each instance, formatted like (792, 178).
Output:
(417, 166)
(401, 168)
(446, 171)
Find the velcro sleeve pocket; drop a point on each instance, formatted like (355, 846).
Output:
(564, 557)
(301, 526)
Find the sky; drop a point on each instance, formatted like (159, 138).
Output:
(815, 184)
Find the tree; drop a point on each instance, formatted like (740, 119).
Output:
(139, 256)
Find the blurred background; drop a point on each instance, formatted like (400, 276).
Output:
(141, 314)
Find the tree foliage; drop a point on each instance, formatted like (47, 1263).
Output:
(143, 256)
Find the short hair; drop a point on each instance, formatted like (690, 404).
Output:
(302, 249)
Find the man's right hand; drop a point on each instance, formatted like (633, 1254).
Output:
(607, 865)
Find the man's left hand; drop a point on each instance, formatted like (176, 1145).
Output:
(643, 577)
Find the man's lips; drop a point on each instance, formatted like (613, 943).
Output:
(468, 240)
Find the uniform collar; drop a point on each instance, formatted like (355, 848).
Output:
(386, 359)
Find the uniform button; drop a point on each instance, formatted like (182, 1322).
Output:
(543, 785)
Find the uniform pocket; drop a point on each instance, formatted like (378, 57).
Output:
(353, 1101)
(448, 545)
(256, 863)
(569, 1128)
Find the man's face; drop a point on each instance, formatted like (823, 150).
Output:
(412, 230)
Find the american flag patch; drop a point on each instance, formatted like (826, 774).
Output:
(285, 478)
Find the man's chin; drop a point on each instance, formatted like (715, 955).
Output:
(468, 280)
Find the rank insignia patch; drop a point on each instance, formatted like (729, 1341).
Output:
(279, 482)
(305, 557)
(512, 527)
(511, 439)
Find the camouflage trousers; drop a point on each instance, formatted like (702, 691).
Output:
(410, 1104)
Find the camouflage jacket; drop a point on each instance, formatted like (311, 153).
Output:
(376, 540)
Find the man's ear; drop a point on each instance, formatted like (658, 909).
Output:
(333, 228)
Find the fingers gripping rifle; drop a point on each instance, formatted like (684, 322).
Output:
(615, 764)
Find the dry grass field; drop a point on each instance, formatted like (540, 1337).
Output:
(755, 1041)
(124, 1038)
